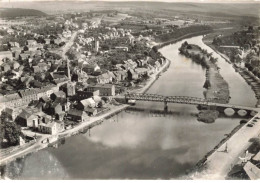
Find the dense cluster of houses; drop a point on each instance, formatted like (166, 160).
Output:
(49, 91)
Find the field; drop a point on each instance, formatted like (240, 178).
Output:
(115, 18)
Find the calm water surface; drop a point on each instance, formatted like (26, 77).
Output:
(140, 145)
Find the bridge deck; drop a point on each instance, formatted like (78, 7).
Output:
(182, 100)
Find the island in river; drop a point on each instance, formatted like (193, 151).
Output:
(217, 89)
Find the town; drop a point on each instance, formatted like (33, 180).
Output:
(53, 80)
(63, 73)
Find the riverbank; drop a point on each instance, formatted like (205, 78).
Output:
(249, 77)
(218, 162)
(193, 34)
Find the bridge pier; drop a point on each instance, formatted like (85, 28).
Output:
(165, 106)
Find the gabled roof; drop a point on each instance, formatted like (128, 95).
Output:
(25, 115)
(27, 92)
(59, 94)
(87, 102)
(75, 112)
(88, 109)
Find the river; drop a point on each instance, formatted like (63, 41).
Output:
(141, 145)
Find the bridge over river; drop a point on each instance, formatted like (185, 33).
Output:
(204, 103)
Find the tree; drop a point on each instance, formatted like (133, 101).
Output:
(155, 49)
(11, 132)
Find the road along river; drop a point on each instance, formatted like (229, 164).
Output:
(141, 145)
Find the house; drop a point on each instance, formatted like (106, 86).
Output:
(96, 99)
(59, 94)
(26, 80)
(5, 54)
(63, 103)
(11, 100)
(34, 47)
(124, 48)
(24, 56)
(77, 115)
(104, 78)
(47, 41)
(13, 44)
(43, 66)
(31, 42)
(16, 51)
(28, 95)
(120, 75)
(52, 128)
(104, 89)
(5, 67)
(15, 65)
(141, 71)
(55, 108)
(83, 104)
(69, 88)
(132, 75)
(90, 68)
(36, 69)
(27, 119)
(85, 94)
(60, 116)
(57, 41)
(45, 99)
(157, 65)
(91, 111)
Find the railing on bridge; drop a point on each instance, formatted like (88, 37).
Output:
(167, 99)
(182, 100)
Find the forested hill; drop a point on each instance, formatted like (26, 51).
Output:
(19, 12)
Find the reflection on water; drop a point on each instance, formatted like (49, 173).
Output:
(46, 166)
(138, 145)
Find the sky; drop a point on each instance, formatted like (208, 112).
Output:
(199, 1)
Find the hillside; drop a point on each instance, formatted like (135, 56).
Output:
(209, 9)
(19, 12)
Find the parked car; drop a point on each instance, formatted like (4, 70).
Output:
(249, 125)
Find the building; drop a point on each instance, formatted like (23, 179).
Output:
(104, 89)
(69, 88)
(5, 67)
(90, 68)
(11, 101)
(120, 75)
(124, 48)
(31, 42)
(77, 115)
(91, 111)
(104, 78)
(86, 103)
(96, 46)
(132, 75)
(51, 127)
(141, 71)
(5, 54)
(28, 95)
(27, 119)
(58, 106)
(58, 94)
(13, 44)
(85, 94)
